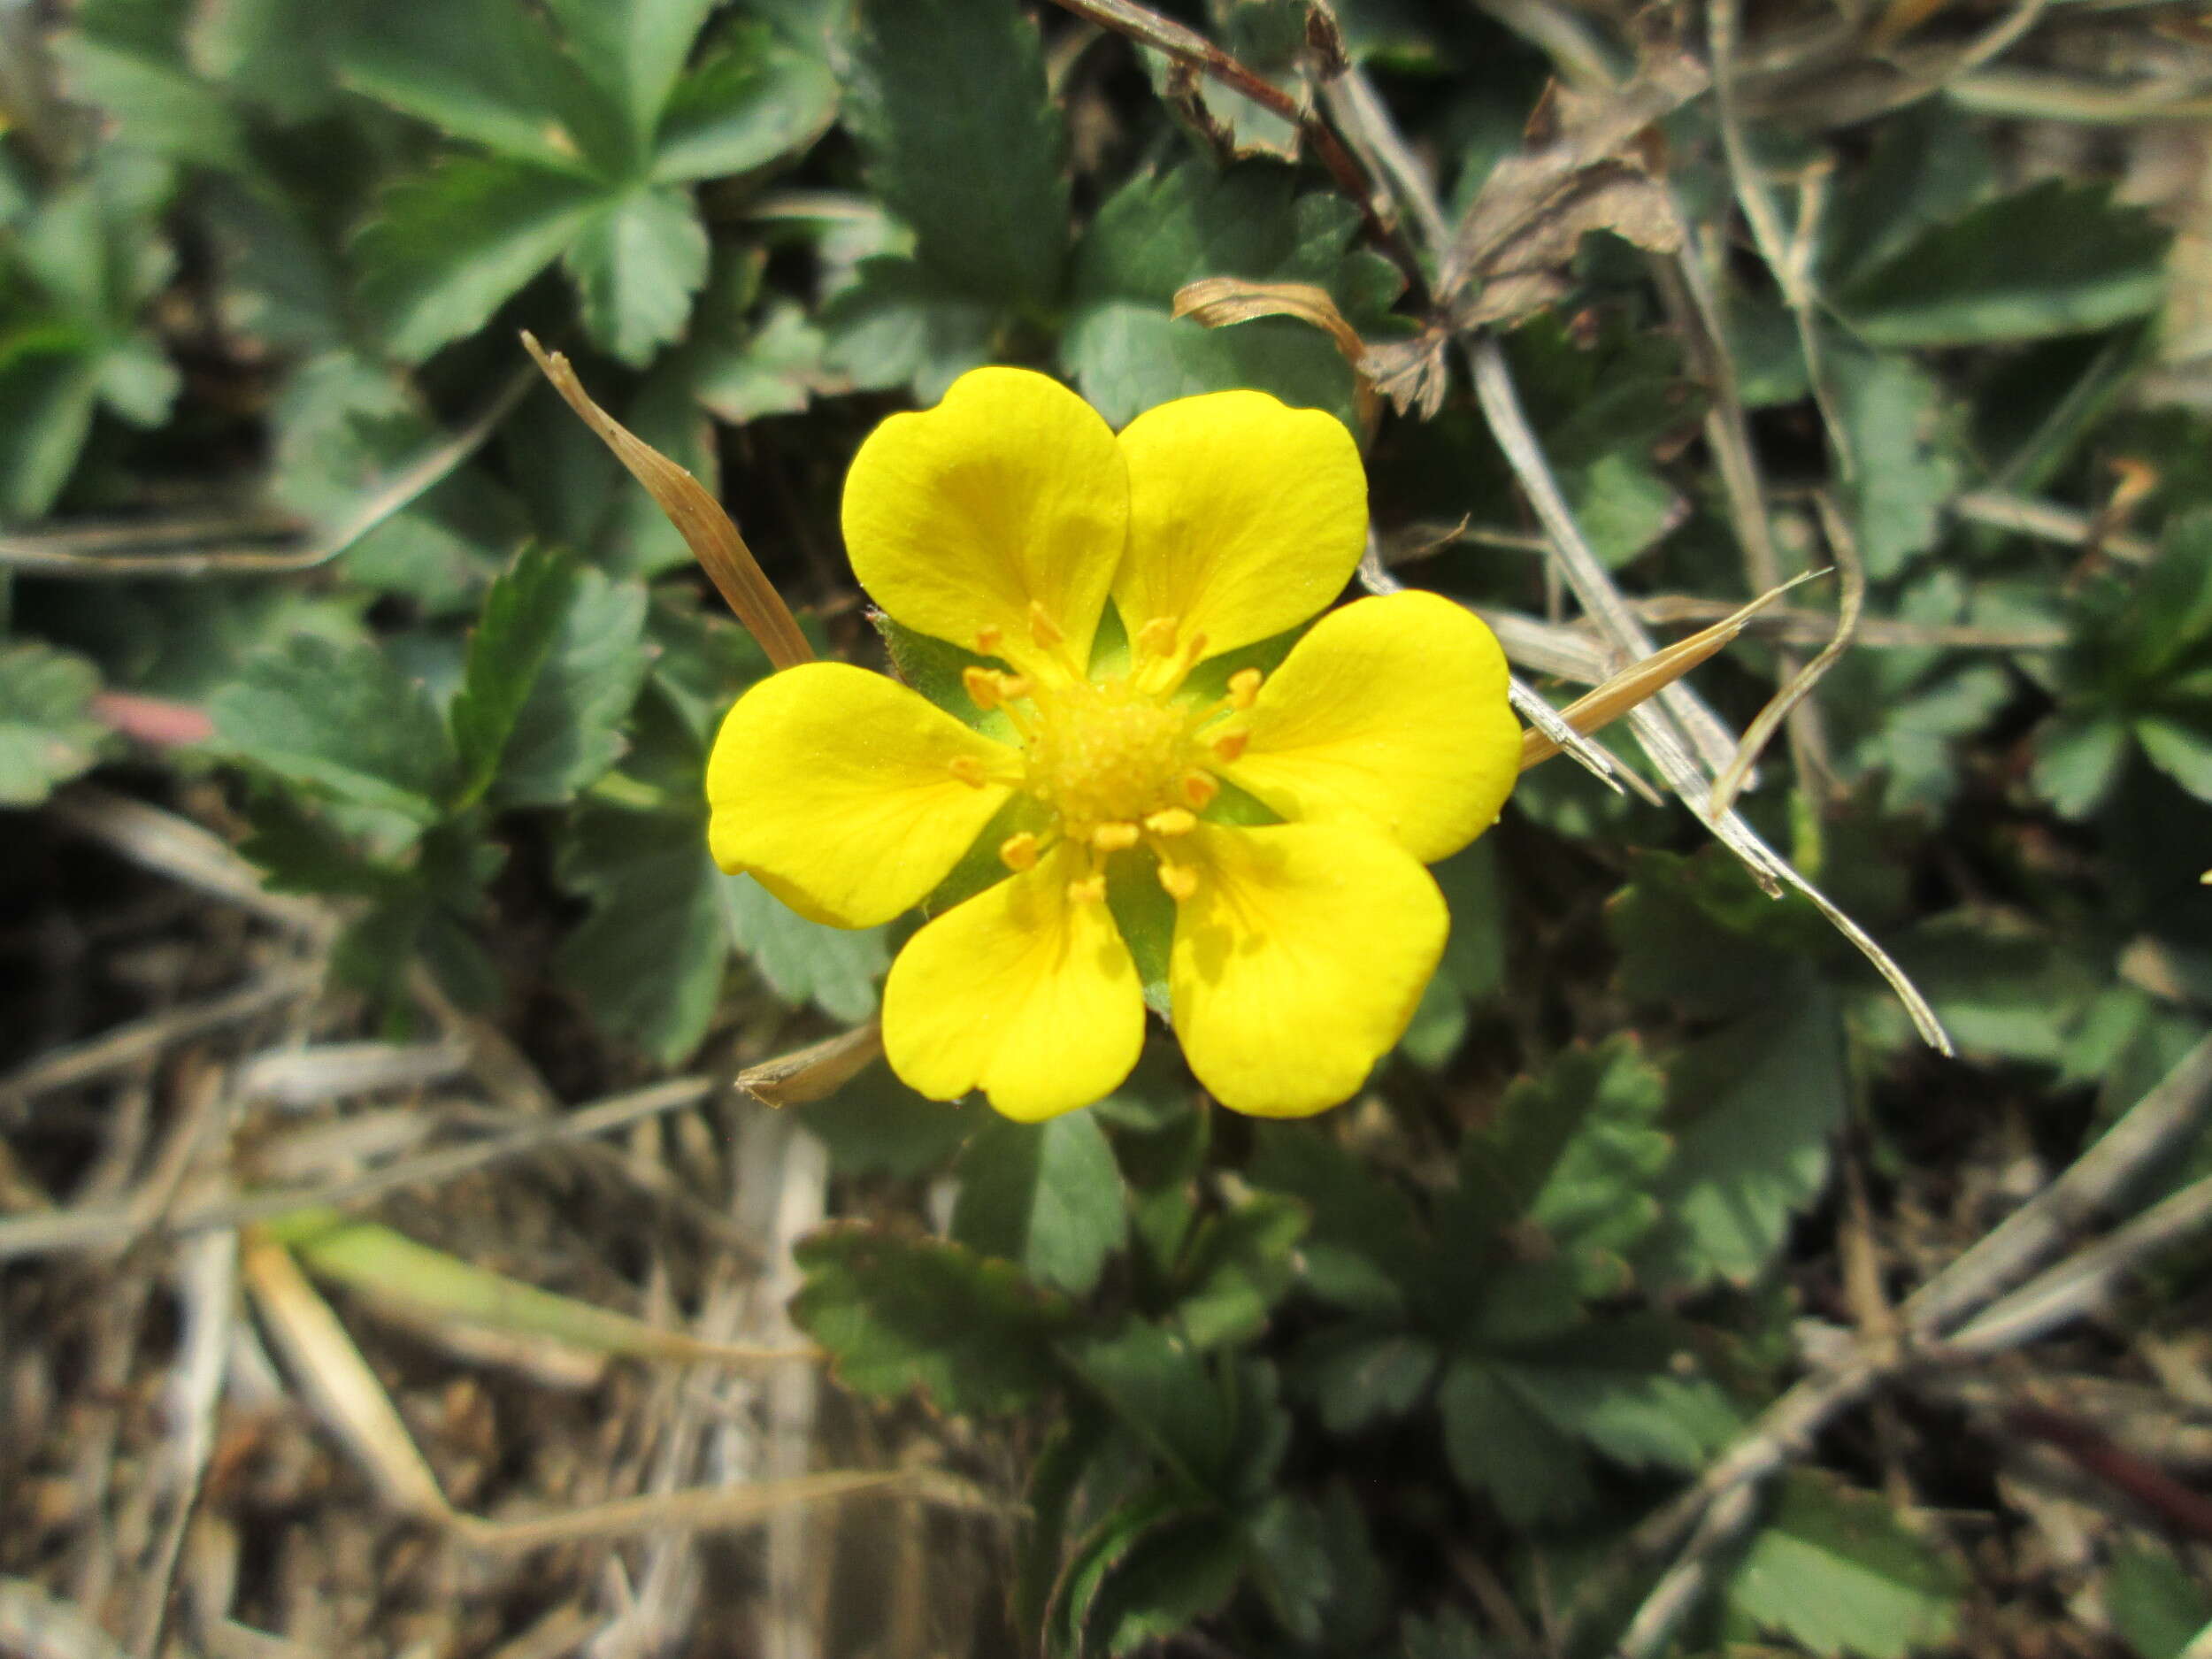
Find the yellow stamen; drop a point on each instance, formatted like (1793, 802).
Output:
(1089, 890)
(983, 687)
(1014, 687)
(1171, 821)
(968, 769)
(986, 640)
(1244, 686)
(1229, 745)
(1156, 638)
(1042, 628)
(1018, 852)
(1180, 880)
(1199, 790)
(1113, 838)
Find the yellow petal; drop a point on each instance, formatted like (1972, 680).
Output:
(1299, 960)
(1391, 712)
(1245, 516)
(1007, 501)
(837, 788)
(1023, 992)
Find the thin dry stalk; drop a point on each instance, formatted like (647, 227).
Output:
(1769, 721)
(77, 552)
(699, 519)
(181, 849)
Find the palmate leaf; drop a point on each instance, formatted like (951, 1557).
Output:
(899, 1314)
(450, 246)
(1048, 1196)
(751, 99)
(964, 144)
(569, 730)
(632, 53)
(523, 614)
(47, 736)
(636, 264)
(1834, 1571)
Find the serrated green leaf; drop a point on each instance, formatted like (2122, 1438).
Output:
(524, 611)
(2182, 753)
(341, 720)
(648, 960)
(1160, 1386)
(1046, 1196)
(2056, 258)
(47, 733)
(1175, 1574)
(752, 101)
(899, 1314)
(834, 968)
(47, 399)
(633, 52)
(1500, 1445)
(569, 730)
(877, 1125)
(1930, 164)
(776, 370)
(1833, 1570)
(1237, 1267)
(1892, 413)
(2156, 1605)
(899, 325)
(963, 143)
(1356, 1375)
(1758, 1105)
(489, 72)
(449, 247)
(636, 264)
(155, 105)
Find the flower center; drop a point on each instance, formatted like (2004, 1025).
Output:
(1105, 755)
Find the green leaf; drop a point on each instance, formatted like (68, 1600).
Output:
(2156, 1605)
(523, 614)
(1834, 1571)
(1267, 36)
(341, 720)
(753, 100)
(1499, 1445)
(648, 960)
(777, 369)
(900, 325)
(450, 246)
(1174, 1575)
(569, 730)
(834, 968)
(1237, 1267)
(47, 733)
(154, 105)
(1356, 1375)
(1892, 413)
(633, 53)
(1160, 1386)
(899, 1314)
(489, 72)
(963, 143)
(2056, 258)
(2182, 753)
(1930, 164)
(636, 264)
(47, 399)
(1047, 1196)
(1759, 1105)
(877, 1125)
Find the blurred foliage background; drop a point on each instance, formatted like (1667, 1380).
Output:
(353, 709)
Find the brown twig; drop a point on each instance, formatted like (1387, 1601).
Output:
(708, 531)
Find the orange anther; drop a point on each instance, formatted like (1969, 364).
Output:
(983, 687)
(1244, 686)
(1014, 687)
(986, 640)
(1157, 637)
(1113, 838)
(1018, 852)
(1199, 790)
(1180, 880)
(1171, 821)
(1042, 628)
(1089, 890)
(968, 769)
(1229, 745)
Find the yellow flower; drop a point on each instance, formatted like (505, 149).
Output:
(1097, 573)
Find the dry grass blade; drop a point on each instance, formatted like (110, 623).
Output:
(815, 1071)
(699, 519)
(344, 1391)
(181, 849)
(696, 1511)
(33, 1625)
(391, 1267)
(299, 1077)
(1769, 721)
(1641, 681)
(1223, 302)
(76, 553)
